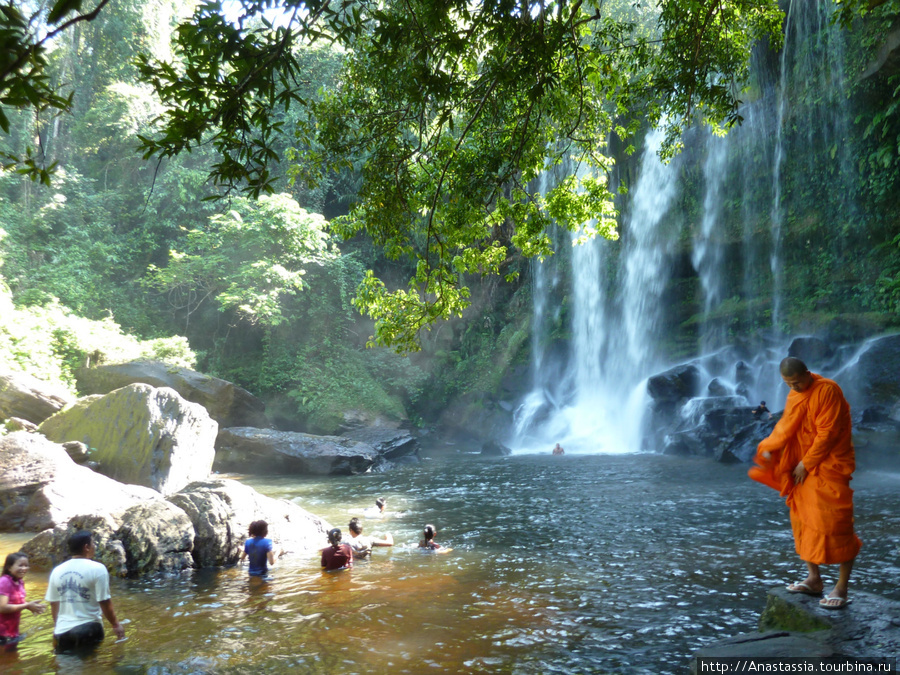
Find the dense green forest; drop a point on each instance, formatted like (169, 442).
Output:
(425, 223)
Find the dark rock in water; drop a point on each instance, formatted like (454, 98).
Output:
(267, 451)
(875, 414)
(743, 390)
(716, 388)
(741, 445)
(227, 403)
(813, 351)
(678, 383)
(29, 398)
(390, 443)
(495, 449)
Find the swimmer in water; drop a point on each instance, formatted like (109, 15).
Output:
(376, 511)
(361, 544)
(429, 544)
(337, 556)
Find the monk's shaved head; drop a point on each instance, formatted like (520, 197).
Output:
(792, 367)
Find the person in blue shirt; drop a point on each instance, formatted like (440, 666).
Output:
(258, 549)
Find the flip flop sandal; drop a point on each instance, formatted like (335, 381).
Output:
(802, 588)
(829, 603)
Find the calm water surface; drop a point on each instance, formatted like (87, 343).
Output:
(574, 564)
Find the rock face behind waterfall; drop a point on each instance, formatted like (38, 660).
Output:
(875, 378)
(29, 398)
(227, 403)
(267, 451)
(142, 435)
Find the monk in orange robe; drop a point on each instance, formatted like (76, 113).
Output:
(809, 459)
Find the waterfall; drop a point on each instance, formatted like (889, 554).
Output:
(707, 255)
(750, 188)
(597, 403)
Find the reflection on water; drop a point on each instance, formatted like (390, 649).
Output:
(601, 564)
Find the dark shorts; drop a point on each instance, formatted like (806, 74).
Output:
(83, 637)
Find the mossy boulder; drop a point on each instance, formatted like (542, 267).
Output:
(141, 435)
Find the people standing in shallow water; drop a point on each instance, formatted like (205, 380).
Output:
(809, 458)
(558, 450)
(258, 548)
(78, 593)
(361, 544)
(12, 599)
(337, 556)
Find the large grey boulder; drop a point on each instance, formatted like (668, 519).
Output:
(227, 403)
(29, 398)
(147, 538)
(267, 451)
(142, 435)
(676, 384)
(42, 487)
(221, 512)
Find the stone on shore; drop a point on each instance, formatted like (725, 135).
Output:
(150, 537)
(793, 625)
(42, 487)
(29, 398)
(227, 403)
(253, 450)
(141, 435)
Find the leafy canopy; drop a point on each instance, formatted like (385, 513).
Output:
(246, 260)
(449, 110)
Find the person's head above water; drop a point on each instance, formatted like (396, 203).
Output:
(259, 528)
(334, 537)
(355, 526)
(429, 532)
(380, 503)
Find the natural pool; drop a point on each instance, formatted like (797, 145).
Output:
(573, 564)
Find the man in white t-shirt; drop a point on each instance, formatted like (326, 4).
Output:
(78, 593)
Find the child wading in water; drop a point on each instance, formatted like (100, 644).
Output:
(429, 543)
(259, 549)
(12, 599)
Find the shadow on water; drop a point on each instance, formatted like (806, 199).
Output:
(602, 564)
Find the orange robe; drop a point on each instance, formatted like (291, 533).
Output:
(814, 429)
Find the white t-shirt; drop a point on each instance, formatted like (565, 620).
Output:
(78, 585)
(360, 544)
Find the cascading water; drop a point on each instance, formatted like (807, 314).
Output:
(753, 185)
(597, 405)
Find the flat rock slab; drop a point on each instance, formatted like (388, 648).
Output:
(794, 625)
